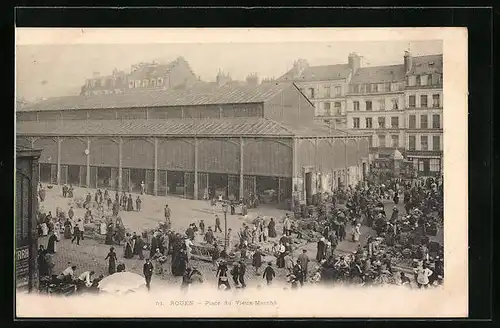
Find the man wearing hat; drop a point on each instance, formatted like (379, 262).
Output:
(148, 272)
(269, 273)
(320, 255)
(241, 273)
(257, 260)
(209, 236)
(202, 227)
(298, 272)
(303, 259)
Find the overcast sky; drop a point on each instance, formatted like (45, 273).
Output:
(61, 69)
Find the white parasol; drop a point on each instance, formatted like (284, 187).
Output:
(122, 282)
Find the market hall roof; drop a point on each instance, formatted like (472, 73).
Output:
(258, 127)
(197, 95)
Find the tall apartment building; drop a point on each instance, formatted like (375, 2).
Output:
(375, 105)
(326, 87)
(142, 76)
(424, 112)
(401, 106)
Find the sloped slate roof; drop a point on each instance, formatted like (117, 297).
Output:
(175, 127)
(379, 74)
(427, 64)
(319, 73)
(197, 95)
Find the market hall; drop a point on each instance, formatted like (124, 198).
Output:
(197, 143)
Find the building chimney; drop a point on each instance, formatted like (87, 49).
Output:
(354, 61)
(299, 66)
(408, 62)
(222, 78)
(253, 80)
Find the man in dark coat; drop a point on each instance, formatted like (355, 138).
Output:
(298, 272)
(139, 247)
(76, 234)
(209, 236)
(130, 203)
(138, 202)
(235, 274)
(303, 260)
(123, 201)
(202, 227)
(190, 232)
(257, 260)
(153, 246)
(320, 255)
(116, 208)
(269, 273)
(148, 273)
(217, 224)
(241, 273)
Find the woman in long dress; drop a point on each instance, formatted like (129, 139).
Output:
(128, 247)
(130, 204)
(42, 264)
(51, 245)
(45, 229)
(109, 234)
(272, 229)
(356, 233)
(179, 264)
(280, 262)
(111, 257)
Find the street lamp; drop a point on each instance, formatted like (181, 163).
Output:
(224, 209)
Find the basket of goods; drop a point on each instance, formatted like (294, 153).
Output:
(407, 253)
(162, 259)
(432, 229)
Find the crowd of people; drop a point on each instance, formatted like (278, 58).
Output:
(336, 216)
(400, 239)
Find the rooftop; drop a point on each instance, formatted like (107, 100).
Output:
(150, 69)
(174, 127)
(427, 64)
(379, 74)
(318, 73)
(200, 94)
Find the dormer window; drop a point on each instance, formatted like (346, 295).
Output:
(160, 81)
(153, 82)
(145, 83)
(137, 83)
